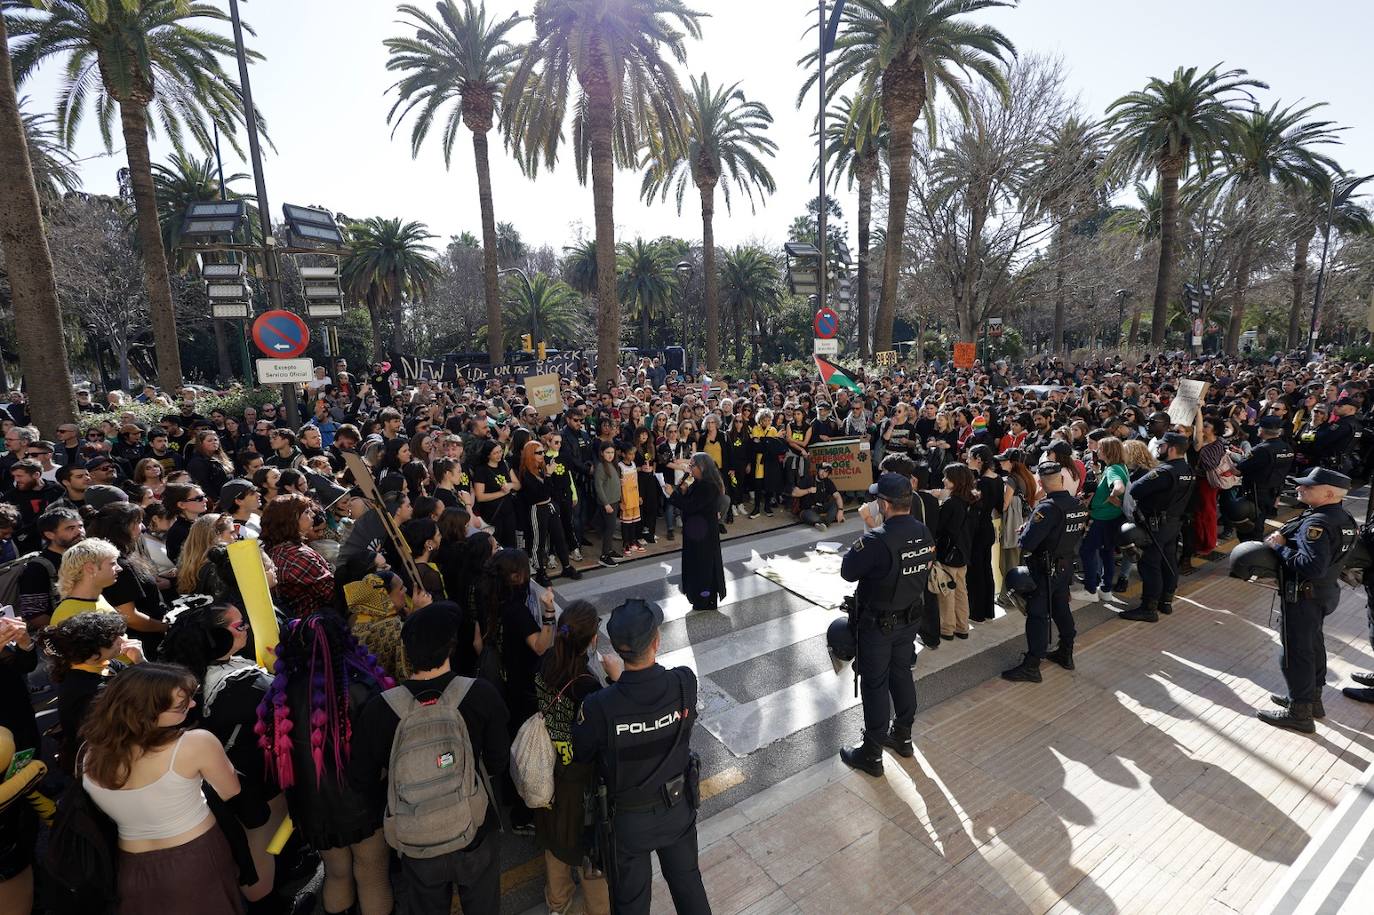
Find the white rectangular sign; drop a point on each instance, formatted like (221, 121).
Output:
(285, 371)
(827, 347)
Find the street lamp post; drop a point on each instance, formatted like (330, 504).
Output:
(269, 263)
(684, 274)
(1121, 295)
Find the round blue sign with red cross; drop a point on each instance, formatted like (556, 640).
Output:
(281, 334)
(827, 323)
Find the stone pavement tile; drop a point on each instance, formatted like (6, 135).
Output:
(1125, 882)
(808, 831)
(927, 719)
(781, 795)
(1035, 765)
(953, 892)
(734, 882)
(1061, 691)
(1226, 843)
(1105, 721)
(777, 903)
(1248, 887)
(1032, 863)
(984, 732)
(874, 874)
(942, 800)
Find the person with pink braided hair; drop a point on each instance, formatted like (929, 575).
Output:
(323, 678)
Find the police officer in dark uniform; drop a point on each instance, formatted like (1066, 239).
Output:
(1264, 470)
(1333, 443)
(1312, 550)
(891, 562)
(1161, 500)
(1049, 543)
(638, 732)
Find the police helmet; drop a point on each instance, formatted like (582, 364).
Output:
(1240, 513)
(1254, 559)
(1020, 580)
(839, 638)
(1133, 534)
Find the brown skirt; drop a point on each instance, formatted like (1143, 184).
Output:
(198, 877)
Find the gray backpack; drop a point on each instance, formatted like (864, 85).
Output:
(435, 798)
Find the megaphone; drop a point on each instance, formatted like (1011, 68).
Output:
(324, 490)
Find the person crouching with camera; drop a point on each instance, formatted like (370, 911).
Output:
(891, 563)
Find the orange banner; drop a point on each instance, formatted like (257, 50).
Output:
(964, 354)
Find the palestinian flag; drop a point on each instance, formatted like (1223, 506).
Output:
(835, 376)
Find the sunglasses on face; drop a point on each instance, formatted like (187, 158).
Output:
(200, 498)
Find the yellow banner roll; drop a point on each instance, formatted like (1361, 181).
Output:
(246, 558)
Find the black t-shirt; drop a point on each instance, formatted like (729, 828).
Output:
(136, 587)
(823, 496)
(36, 585)
(448, 497)
(176, 538)
(900, 432)
(492, 479)
(519, 662)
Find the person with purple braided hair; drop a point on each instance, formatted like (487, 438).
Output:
(323, 678)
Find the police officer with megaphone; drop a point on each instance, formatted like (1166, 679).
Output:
(1311, 551)
(1049, 542)
(891, 563)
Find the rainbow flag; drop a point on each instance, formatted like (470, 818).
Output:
(835, 376)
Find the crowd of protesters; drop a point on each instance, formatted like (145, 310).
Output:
(132, 623)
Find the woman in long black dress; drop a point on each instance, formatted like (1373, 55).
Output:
(980, 575)
(698, 498)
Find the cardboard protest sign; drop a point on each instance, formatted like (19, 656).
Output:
(543, 393)
(851, 467)
(964, 355)
(1183, 408)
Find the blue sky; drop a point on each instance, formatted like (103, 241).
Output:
(323, 91)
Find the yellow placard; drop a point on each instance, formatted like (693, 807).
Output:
(245, 557)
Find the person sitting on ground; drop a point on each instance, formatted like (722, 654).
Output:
(820, 503)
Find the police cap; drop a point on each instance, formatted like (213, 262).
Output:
(1271, 422)
(1324, 476)
(632, 625)
(1048, 468)
(891, 486)
(1176, 440)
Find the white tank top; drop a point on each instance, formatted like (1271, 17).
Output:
(172, 805)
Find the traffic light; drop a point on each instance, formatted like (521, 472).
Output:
(542, 357)
(526, 343)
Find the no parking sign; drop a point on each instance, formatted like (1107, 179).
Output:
(281, 334)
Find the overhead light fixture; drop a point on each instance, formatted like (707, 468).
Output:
(801, 249)
(318, 274)
(213, 218)
(320, 286)
(310, 227)
(226, 292)
(222, 271)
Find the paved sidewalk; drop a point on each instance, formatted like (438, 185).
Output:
(1141, 782)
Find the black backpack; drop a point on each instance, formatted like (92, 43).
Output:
(82, 856)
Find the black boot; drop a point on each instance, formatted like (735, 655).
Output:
(1359, 693)
(1166, 604)
(1297, 717)
(898, 740)
(1062, 655)
(866, 757)
(1145, 613)
(1028, 671)
(571, 571)
(1318, 710)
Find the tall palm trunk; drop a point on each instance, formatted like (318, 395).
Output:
(374, 318)
(133, 116)
(37, 316)
(490, 288)
(904, 94)
(1169, 172)
(1302, 245)
(597, 94)
(1242, 285)
(708, 264)
(398, 324)
(868, 169)
(739, 337)
(1061, 243)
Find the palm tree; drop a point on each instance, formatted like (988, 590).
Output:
(1271, 147)
(901, 51)
(182, 181)
(1167, 128)
(628, 87)
(389, 263)
(152, 63)
(54, 165)
(510, 247)
(750, 282)
(579, 267)
(723, 138)
(1069, 174)
(458, 55)
(855, 144)
(646, 282)
(1330, 197)
(548, 304)
(28, 263)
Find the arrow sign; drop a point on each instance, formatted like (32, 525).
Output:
(281, 334)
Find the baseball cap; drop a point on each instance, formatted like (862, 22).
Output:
(891, 486)
(232, 491)
(101, 495)
(632, 625)
(1324, 476)
(1271, 422)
